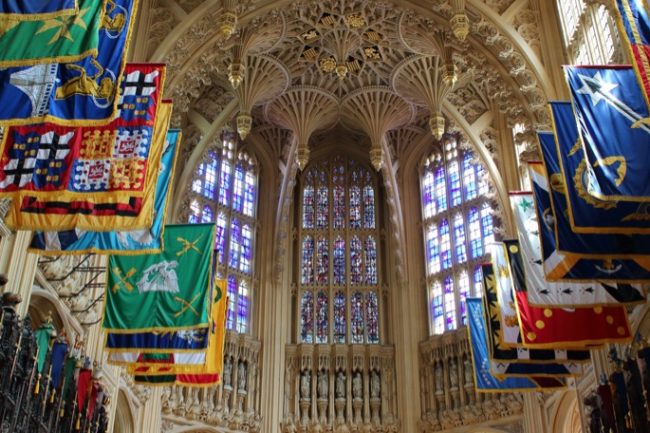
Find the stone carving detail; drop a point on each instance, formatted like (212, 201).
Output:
(447, 387)
(231, 405)
(319, 396)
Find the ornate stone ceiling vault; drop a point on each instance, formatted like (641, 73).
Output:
(358, 42)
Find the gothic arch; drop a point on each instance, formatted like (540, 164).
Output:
(42, 303)
(123, 414)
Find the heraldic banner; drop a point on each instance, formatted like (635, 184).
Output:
(37, 9)
(116, 212)
(78, 93)
(118, 242)
(57, 39)
(171, 287)
(485, 381)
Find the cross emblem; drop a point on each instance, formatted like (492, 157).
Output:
(140, 84)
(187, 245)
(52, 147)
(18, 172)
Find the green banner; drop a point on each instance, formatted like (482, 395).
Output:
(55, 40)
(164, 291)
(42, 335)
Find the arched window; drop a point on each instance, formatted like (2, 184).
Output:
(339, 253)
(458, 227)
(590, 34)
(224, 191)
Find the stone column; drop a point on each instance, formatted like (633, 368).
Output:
(21, 269)
(534, 418)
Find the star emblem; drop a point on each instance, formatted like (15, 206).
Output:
(62, 25)
(595, 87)
(526, 205)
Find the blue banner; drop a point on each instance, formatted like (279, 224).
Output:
(586, 213)
(73, 94)
(485, 381)
(612, 113)
(59, 352)
(159, 342)
(562, 265)
(120, 242)
(37, 9)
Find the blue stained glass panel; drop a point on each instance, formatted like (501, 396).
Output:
(368, 207)
(308, 207)
(469, 177)
(338, 212)
(355, 207)
(433, 249)
(307, 318)
(478, 281)
(428, 200)
(225, 183)
(251, 194)
(322, 312)
(441, 189)
(322, 261)
(445, 244)
(246, 249)
(487, 226)
(242, 307)
(463, 290)
(357, 324)
(454, 184)
(339, 318)
(235, 243)
(438, 312)
(370, 251)
(459, 239)
(195, 212)
(450, 304)
(307, 268)
(355, 260)
(339, 260)
(238, 190)
(220, 242)
(475, 240)
(232, 302)
(372, 307)
(207, 216)
(322, 207)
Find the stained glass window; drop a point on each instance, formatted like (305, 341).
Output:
(322, 261)
(322, 312)
(456, 233)
(338, 242)
(372, 320)
(339, 318)
(339, 261)
(590, 33)
(478, 281)
(459, 239)
(224, 190)
(307, 268)
(445, 244)
(371, 261)
(463, 290)
(358, 323)
(307, 318)
(355, 260)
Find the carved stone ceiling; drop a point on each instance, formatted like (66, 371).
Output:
(341, 46)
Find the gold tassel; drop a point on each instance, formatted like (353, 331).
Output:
(78, 425)
(62, 413)
(52, 396)
(37, 388)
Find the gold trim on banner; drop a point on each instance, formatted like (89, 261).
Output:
(127, 252)
(42, 16)
(618, 19)
(95, 122)
(564, 171)
(499, 390)
(17, 221)
(208, 294)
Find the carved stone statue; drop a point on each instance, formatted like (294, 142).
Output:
(438, 376)
(241, 376)
(305, 384)
(340, 384)
(357, 386)
(467, 371)
(323, 384)
(375, 385)
(453, 373)
(227, 371)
